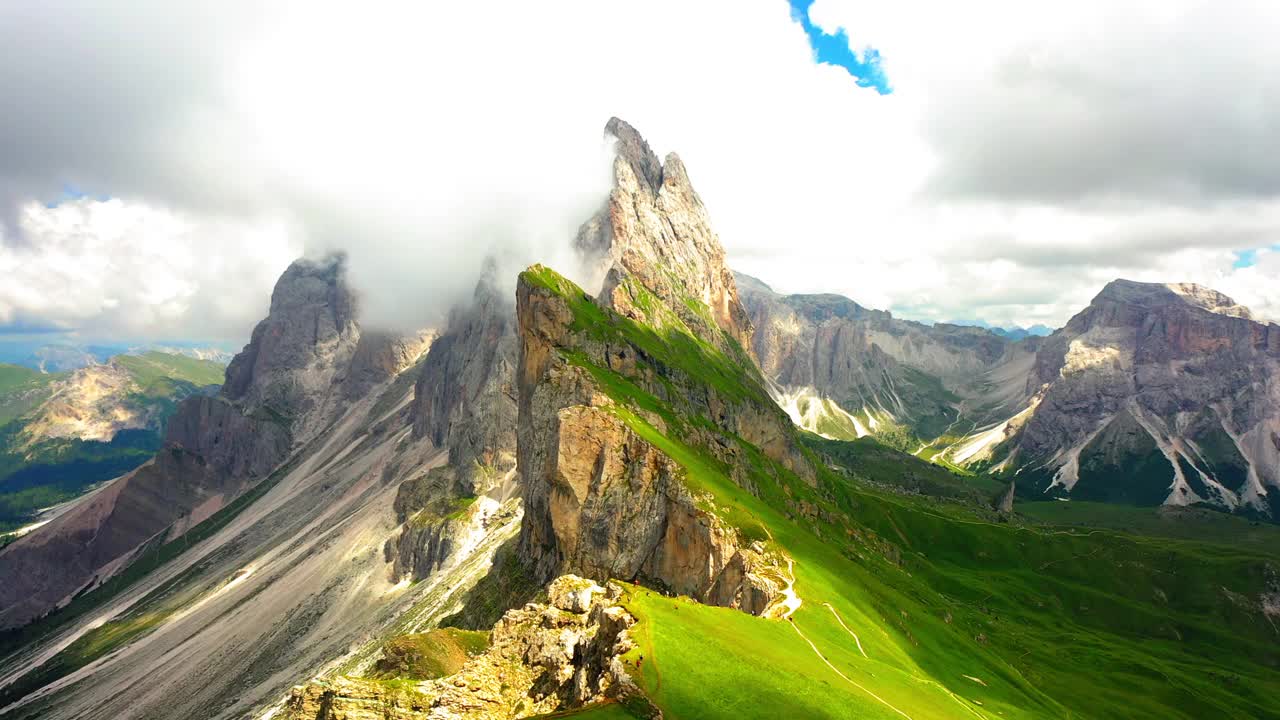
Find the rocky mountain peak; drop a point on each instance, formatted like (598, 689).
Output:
(309, 333)
(464, 397)
(634, 151)
(1150, 295)
(655, 228)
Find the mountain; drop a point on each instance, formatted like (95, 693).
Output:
(278, 393)
(654, 464)
(1019, 333)
(1153, 394)
(63, 432)
(585, 502)
(844, 371)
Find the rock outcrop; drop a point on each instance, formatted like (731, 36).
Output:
(287, 385)
(542, 658)
(600, 499)
(465, 400)
(604, 502)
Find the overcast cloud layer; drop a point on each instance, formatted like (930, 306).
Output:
(1026, 155)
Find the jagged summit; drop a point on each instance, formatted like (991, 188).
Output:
(634, 149)
(312, 317)
(464, 397)
(655, 228)
(304, 365)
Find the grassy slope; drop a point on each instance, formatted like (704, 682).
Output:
(1050, 623)
(157, 373)
(1194, 524)
(426, 656)
(21, 390)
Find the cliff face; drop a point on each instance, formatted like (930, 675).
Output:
(465, 398)
(601, 498)
(1157, 394)
(288, 384)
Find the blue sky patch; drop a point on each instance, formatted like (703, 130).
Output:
(71, 192)
(1249, 258)
(833, 49)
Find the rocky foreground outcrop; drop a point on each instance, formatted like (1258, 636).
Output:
(542, 658)
(288, 384)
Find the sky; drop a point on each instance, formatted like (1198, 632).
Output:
(161, 163)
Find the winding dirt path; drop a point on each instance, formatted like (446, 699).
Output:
(846, 678)
(827, 605)
(791, 601)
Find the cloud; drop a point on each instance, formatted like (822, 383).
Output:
(1027, 154)
(111, 268)
(1168, 106)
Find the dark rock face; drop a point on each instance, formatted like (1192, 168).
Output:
(311, 323)
(465, 397)
(236, 445)
(287, 384)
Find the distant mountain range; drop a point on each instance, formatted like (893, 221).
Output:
(63, 355)
(1018, 333)
(1153, 394)
(62, 432)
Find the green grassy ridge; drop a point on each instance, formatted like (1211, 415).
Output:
(673, 350)
(153, 369)
(927, 647)
(22, 389)
(1198, 525)
(703, 473)
(879, 463)
(17, 377)
(1054, 623)
(58, 469)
